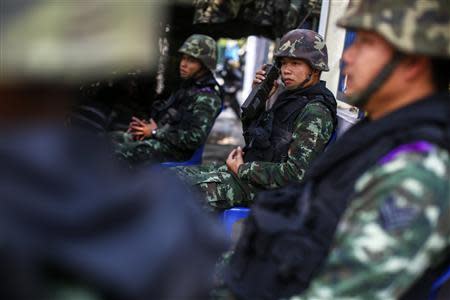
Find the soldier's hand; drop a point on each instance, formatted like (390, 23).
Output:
(259, 76)
(235, 160)
(140, 129)
(135, 122)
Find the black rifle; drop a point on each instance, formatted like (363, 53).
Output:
(255, 103)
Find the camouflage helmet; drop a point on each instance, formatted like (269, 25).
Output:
(305, 44)
(411, 26)
(71, 43)
(201, 47)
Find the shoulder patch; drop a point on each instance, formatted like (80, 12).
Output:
(393, 216)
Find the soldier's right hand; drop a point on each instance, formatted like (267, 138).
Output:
(259, 76)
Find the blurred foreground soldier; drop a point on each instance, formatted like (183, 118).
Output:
(282, 141)
(74, 225)
(372, 216)
(180, 124)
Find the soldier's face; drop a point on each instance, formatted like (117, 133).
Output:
(189, 66)
(294, 71)
(364, 59)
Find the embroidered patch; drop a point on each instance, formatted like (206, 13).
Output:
(393, 216)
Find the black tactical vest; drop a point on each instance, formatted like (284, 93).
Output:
(177, 109)
(268, 138)
(289, 232)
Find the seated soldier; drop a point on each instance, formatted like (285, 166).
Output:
(371, 218)
(284, 139)
(180, 124)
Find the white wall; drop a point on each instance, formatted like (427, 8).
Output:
(256, 55)
(334, 38)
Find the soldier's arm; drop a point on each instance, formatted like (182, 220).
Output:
(396, 226)
(314, 127)
(192, 135)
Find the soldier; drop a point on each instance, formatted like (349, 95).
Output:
(180, 124)
(285, 138)
(378, 202)
(73, 223)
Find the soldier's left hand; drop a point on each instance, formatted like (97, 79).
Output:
(235, 160)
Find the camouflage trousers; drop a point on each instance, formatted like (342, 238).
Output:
(221, 188)
(141, 152)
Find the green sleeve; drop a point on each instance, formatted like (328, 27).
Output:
(193, 135)
(314, 127)
(396, 227)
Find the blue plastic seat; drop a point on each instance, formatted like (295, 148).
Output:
(438, 283)
(196, 159)
(233, 215)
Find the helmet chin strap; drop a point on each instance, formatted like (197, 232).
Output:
(302, 84)
(362, 98)
(307, 79)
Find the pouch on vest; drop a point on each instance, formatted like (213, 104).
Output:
(258, 144)
(273, 248)
(281, 145)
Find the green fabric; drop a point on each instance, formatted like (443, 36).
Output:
(222, 189)
(370, 260)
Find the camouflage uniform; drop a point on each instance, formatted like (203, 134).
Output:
(223, 189)
(197, 103)
(216, 11)
(378, 200)
(397, 225)
(280, 15)
(176, 143)
(395, 228)
(312, 129)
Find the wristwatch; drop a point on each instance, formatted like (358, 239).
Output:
(153, 132)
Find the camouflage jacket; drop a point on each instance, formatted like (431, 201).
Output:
(313, 129)
(198, 104)
(381, 184)
(280, 15)
(396, 226)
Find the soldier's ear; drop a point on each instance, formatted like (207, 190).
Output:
(315, 74)
(318, 72)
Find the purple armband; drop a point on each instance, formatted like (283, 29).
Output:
(416, 147)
